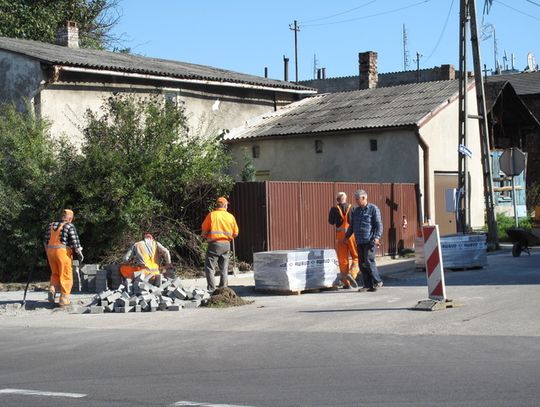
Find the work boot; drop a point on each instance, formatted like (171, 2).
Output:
(352, 281)
(64, 301)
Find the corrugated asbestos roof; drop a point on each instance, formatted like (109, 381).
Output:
(105, 60)
(526, 83)
(395, 106)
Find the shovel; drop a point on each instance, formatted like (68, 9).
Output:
(235, 269)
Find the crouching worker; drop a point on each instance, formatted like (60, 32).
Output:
(61, 241)
(145, 255)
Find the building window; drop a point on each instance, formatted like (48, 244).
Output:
(171, 97)
(318, 146)
(373, 145)
(256, 151)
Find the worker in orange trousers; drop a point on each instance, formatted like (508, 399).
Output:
(339, 216)
(61, 241)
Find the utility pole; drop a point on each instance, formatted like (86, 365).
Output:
(468, 15)
(418, 56)
(295, 27)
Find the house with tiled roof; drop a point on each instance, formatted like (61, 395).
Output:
(398, 134)
(62, 81)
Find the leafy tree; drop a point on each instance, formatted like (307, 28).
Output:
(141, 170)
(27, 189)
(39, 19)
(248, 171)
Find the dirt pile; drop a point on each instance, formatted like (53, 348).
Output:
(226, 297)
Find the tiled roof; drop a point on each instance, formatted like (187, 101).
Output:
(105, 60)
(396, 106)
(525, 83)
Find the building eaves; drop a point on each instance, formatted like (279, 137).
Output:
(379, 108)
(128, 63)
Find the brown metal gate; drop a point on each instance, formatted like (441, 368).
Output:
(280, 215)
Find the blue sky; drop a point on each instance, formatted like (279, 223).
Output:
(249, 35)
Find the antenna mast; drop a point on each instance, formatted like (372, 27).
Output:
(405, 49)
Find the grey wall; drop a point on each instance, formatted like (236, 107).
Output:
(344, 158)
(20, 78)
(347, 83)
(65, 100)
(208, 109)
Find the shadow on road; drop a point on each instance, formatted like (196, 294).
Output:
(502, 269)
(355, 310)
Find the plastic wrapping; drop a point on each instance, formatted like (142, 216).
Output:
(294, 270)
(458, 251)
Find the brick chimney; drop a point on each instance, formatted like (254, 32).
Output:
(68, 35)
(447, 72)
(367, 63)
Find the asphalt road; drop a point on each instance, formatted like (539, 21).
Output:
(327, 349)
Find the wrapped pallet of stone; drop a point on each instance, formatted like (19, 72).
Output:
(459, 251)
(295, 270)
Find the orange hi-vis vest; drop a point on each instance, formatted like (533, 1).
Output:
(54, 240)
(219, 225)
(342, 229)
(149, 255)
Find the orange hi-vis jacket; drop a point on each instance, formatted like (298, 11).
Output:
(149, 255)
(219, 225)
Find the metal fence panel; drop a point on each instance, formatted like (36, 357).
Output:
(248, 205)
(280, 215)
(284, 202)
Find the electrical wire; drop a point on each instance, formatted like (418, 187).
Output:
(338, 14)
(516, 10)
(371, 15)
(533, 2)
(442, 33)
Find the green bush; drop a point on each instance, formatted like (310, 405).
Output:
(505, 222)
(142, 170)
(139, 169)
(27, 190)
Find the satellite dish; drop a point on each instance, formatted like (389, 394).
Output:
(530, 64)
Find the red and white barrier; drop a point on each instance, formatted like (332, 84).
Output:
(434, 263)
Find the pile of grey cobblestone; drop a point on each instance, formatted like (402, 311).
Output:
(147, 293)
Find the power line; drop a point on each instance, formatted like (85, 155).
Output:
(533, 2)
(369, 16)
(442, 32)
(338, 14)
(516, 10)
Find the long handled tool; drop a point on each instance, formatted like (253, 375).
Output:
(235, 270)
(32, 267)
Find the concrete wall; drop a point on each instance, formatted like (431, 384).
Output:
(20, 78)
(347, 83)
(441, 133)
(344, 157)
(64, 100)
(209, 110)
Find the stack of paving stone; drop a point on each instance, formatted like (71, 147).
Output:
(145, 295)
